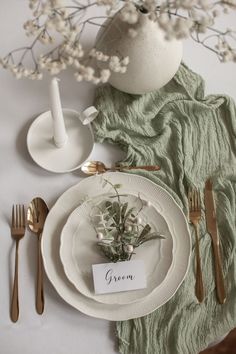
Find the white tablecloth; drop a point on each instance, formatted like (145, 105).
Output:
(61, 329)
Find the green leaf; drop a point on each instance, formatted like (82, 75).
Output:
(149, 238)
(104, 244)
(155, 234)
(145, 231)
(104, 184)
(129, 213)
(107, 239)
(108, 204)
(116, 211)
(109, 253)
(120, 195)
(117, 186)
(123, 210)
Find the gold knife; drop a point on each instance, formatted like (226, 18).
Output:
(212, 230)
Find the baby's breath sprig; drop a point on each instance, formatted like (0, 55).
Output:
(54, 22)
(60, 25)
(119, 227)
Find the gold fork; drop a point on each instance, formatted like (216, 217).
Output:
(194, 217)
(17, 232)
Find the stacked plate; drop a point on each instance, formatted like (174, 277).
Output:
(69, 247)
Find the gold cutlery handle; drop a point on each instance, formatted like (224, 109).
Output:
(220, 287)
(199, 288)
(15, 296)
(40, 291)
(146, 168)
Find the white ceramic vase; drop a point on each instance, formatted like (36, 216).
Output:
(153, 59)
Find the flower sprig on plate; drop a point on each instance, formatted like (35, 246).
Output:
(119, 227)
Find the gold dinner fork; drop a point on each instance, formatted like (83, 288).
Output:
(194, 217)
(17, 232)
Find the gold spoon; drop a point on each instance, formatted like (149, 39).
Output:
(36, 216)
(94, 167)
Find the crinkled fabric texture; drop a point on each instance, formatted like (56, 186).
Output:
(191, 136)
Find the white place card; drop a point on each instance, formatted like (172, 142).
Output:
(120, 276)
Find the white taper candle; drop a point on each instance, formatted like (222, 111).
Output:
(59, 130)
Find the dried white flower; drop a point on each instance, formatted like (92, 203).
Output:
(100, 236)
(129, 13)
(54, 18)
(130, 248)
(105, 75)
(125, 61)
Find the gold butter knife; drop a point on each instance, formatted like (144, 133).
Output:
(212, 230)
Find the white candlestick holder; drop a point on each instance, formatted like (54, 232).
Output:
(71, 155)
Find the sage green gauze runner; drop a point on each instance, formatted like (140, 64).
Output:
(191, 137)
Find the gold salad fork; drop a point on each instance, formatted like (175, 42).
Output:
(17, 232)
(194, 217)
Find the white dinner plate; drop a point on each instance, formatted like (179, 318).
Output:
(132, 184)
(79, 250)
